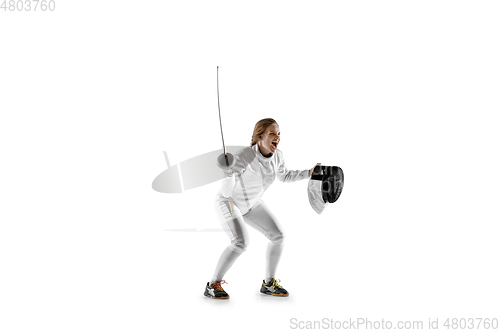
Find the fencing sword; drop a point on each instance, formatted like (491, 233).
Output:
(226, 160)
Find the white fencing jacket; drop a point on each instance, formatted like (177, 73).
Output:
(252, 174)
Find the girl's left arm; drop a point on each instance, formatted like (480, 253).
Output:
(287, 176)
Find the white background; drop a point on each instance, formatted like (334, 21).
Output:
(403, 95)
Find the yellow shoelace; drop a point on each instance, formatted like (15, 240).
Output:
(275, 283)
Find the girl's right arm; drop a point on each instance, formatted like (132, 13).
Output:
(228, 183)
(241, 162)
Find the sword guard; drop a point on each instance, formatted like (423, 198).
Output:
(226, 161)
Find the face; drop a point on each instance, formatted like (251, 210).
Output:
(270, 139)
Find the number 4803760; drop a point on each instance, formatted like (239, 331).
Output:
(28, 5)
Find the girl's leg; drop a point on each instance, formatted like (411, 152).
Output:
(262, 219)
(232, 222)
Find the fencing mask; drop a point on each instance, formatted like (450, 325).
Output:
(325, 186)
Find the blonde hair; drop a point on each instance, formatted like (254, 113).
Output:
(260, 128)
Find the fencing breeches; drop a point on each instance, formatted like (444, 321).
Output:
(233, 223)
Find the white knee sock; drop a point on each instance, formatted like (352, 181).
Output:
(226, 260)
(273, 255)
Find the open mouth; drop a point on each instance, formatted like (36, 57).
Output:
(274, 144)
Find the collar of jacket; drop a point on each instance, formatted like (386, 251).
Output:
(261, 157)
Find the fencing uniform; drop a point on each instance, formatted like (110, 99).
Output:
(238, 202)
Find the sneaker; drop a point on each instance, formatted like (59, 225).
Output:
(215, 290)
(273, 288)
